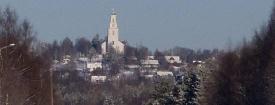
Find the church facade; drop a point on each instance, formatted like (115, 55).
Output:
(112, 40)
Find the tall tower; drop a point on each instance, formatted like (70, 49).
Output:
(112, 40)
(113, 29)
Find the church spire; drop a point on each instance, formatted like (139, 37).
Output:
(113, 28)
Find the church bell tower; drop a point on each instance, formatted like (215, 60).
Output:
(113, 29)
(112, 40)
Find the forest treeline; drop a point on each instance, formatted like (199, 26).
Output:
(245, 75)
(88, 47)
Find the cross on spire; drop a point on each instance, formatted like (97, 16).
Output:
(113, 12)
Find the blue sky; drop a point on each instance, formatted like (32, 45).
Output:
(153, 23)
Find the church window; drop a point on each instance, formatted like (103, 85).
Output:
(113, 42)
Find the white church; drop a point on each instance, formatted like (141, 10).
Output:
(112, 40)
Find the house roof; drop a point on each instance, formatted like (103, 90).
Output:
(172, 59)
(150, 62)
(164, 73)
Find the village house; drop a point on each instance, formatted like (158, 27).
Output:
(164, 73)
(148, 76)
(150, 57)
(66, 59)
(198, 63)
(150, 64)
(173, 59)
(97, 58)
(91, 66)
(132, 63)
(132, 67)
(83, 59)
(98, 79)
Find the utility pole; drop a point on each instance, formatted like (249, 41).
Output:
(7, 99)
(1, 74)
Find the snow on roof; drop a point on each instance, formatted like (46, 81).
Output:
(164, 73)
(173, 59)
(150, 57)
(132, 66)
(83, 59)
(148, 76)
(98, 78)
(149, 62)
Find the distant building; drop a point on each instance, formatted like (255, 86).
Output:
(150, 63)
(133, 66)
(173, 59)
(95, 62)
(164, 73)
(98, 79)
(97, 58)
(90, 64)
(150, 57)
(132, 63)
(66, 59)
(198, 63)
(112, 40)
(149, 76)
(83, 59)
(94, 65)
(128, 73)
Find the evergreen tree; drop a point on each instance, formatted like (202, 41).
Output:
(191, 83)
(177, 95)
(67, 47)
(83, 46)
(162, 94)
(96, 43)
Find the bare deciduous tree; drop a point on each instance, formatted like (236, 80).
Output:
(24, 73)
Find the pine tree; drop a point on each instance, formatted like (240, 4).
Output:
(191, 84)
(162, 94)
(177, 95)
